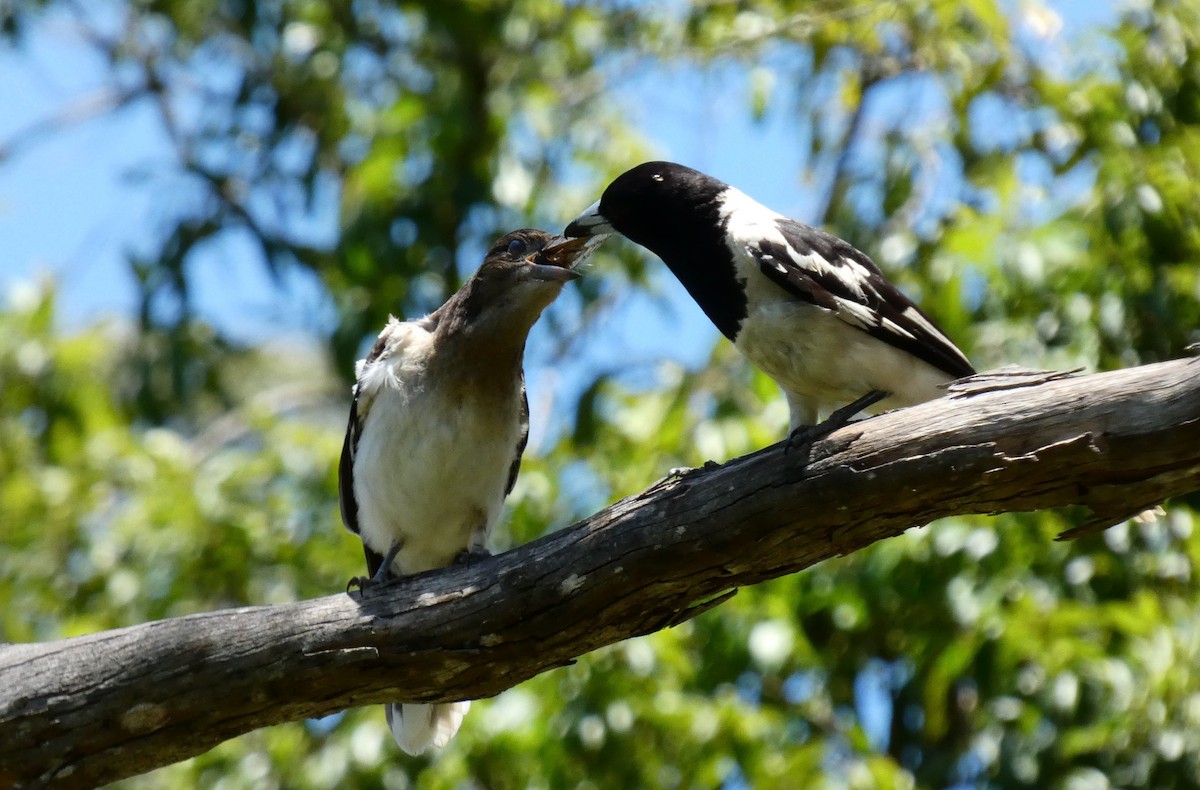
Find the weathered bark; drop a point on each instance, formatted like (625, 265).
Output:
(92, 709)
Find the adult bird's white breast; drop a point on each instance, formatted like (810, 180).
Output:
(819, 359)
(818, 356)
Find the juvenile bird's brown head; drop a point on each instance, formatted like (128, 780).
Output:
(521, 274)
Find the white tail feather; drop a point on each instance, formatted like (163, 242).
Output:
(419, 728)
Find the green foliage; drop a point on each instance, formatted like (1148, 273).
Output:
(1043, 216)
(118, 522)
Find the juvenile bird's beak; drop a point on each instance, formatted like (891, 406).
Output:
(557, 260)
(590, 223)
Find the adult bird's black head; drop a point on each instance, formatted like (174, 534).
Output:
(675, 212)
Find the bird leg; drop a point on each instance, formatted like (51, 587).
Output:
(475, 551)
(382, 574)
(806, 435)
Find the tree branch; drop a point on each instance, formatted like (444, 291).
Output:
(89, 710)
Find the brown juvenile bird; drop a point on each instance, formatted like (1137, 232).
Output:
(437, 427)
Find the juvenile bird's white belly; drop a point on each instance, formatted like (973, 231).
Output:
(431, 469)
(821, 362)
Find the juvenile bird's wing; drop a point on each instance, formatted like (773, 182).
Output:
(823, 270)
(346, 498)
(359, 408)
(392, 337)
(522, 440)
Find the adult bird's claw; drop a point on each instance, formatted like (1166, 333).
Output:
(807, 435)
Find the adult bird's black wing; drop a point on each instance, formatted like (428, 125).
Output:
(823, 270)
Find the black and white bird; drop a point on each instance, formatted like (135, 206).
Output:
(814, 313)
(437, 427)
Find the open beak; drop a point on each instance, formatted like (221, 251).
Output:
(558, 259)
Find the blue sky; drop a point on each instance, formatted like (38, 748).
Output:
(74, 201)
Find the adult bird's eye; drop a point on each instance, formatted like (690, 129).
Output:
(517, 247)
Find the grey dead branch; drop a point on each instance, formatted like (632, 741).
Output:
(84, 711)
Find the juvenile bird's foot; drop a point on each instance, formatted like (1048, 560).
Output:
(470, 556)
(805, 436)
(360, 582)
(381, 575)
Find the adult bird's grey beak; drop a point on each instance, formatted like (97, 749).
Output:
(590, 223)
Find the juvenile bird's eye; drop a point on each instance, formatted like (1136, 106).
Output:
(517, 247)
